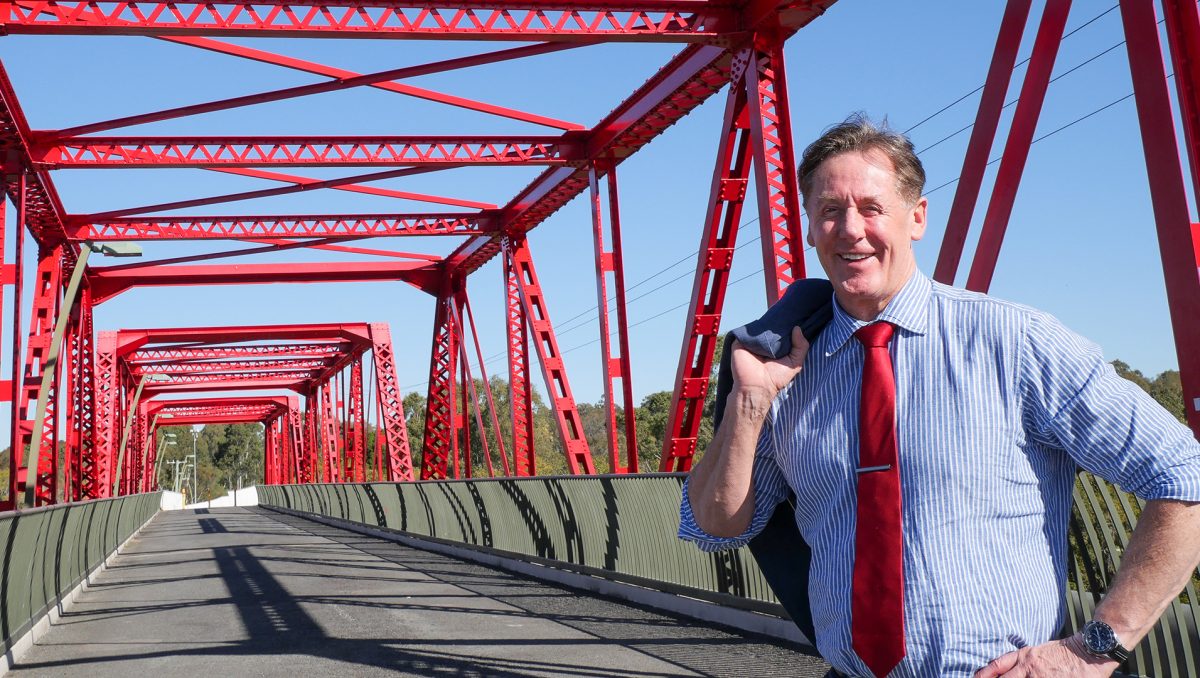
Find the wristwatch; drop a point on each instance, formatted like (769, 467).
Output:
(1100, 641)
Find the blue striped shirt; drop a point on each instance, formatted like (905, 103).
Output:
(997, 403)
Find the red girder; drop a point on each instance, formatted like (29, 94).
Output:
(356, 433)
(271, 228)
(717, 244)
(141, 339)
(259, 366)
(296, 469)
(441, 418)
(517, 343)
(225, 352)
(654, 21)
(390, 401)
(42, 461)
(108, 396)
(107, 282)
(42, 209)
(558, 389)
(125, 152)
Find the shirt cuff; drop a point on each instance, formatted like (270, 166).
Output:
(689, 530)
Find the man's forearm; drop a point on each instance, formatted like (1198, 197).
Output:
(720, 488)
(1161, 557)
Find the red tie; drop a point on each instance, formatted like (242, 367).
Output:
(877, 606)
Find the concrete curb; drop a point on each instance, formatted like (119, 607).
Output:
(742, 620)
(41, 627)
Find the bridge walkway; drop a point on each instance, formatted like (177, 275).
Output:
(247, 591)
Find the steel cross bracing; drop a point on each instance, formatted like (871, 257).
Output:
(141, 367)
(735, 47)
(650, 20)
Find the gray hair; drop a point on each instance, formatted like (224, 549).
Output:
(858, 133)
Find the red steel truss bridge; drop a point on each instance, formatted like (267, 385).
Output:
(72, 386)
(101, 394)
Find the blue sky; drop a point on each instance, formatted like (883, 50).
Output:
(1081, 241)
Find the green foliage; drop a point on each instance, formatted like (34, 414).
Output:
(227, 456)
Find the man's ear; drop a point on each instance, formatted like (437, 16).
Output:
(919, 218)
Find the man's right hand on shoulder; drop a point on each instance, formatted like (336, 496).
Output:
(769, 375)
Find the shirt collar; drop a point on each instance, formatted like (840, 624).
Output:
(908, 310)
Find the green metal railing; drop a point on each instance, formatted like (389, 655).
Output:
(48, 551)
(622, 528)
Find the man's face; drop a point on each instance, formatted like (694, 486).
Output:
(863, 230)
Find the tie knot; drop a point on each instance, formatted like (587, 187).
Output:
(875, 335)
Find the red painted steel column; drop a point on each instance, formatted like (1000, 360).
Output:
(108, 393)
(487, 387)
(983, 135)
(329, 437)
(355, 454)
(461, 418)
(270, 451)
(42, 454)
(390, 400)
(774, 165)
(469, 380)
(312, 448)
(297, 472)
(72, 457)
(14, 390)
(441, 433)
(85, 368)
(726, 199)
(1168, 194)
(615, 368)
(1183, 36)
(570, 427)
(520, 399)
(1016, 149)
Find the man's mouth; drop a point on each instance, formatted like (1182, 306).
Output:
(854, 257)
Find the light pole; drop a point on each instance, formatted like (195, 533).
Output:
(168, 439)
(195, 434)
(137, 394)
(192, 456)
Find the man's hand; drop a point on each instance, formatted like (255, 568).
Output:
(1056, 658)
(769, 375)
(720, 488)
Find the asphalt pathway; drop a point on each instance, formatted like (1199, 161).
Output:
(250, 592)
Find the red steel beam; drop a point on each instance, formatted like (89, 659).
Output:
(274, 228)
(341, 74)
(679, 21)
(339, 82)
(41, 209)
(231, 367)
(136, 339)
(203, 152)
(1016, 148)
(107, 284)
(228, 352)
(301, 184)
(983, 135)
(1168, 195)
(718, 242)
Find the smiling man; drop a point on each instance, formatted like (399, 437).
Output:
(931, 438)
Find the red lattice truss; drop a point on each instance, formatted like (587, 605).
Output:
(731, 46)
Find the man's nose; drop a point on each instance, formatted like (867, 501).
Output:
(852, 226)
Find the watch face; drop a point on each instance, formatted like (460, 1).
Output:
(1098, 637)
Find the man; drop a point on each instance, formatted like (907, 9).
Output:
(931, 437)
